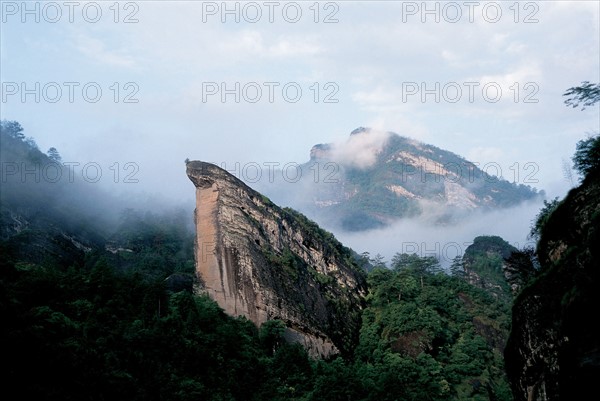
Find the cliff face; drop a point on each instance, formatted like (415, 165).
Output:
(553, 352)
(263, 262)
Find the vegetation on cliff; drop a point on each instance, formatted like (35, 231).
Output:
(552, 353)
(118, 319)
(553, 350)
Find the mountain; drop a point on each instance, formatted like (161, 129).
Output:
(265, 263)
(111, 310)
(376, 177)
(485, 265)
(553, 351)
(41, 217)
(429, 336)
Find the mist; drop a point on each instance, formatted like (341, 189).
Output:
(359, 151)
(419, 235)
(43, 191)
(439, 230)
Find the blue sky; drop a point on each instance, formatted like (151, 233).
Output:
(370, 57)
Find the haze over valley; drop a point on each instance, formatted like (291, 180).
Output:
(248, 201)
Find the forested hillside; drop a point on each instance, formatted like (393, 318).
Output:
(94, 311)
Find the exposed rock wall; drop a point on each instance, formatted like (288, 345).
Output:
(553, 351)
(263, 262)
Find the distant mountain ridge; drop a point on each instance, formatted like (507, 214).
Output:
(377, 177)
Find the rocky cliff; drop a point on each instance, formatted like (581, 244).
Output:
(375, 178)
(263, 262)
(553, 351)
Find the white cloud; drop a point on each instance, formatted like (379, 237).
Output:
(253, 43)
(419, 236)
(485, 154)
(369, 54)
(377, 98)
(360, 150)
(96, 50)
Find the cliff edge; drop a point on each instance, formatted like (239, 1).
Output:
(263, 262)
(553, 352)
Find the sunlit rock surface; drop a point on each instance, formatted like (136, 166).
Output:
(263, 262)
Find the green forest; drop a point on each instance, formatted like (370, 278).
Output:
(116, 314)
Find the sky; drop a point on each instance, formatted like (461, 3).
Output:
(137, 87)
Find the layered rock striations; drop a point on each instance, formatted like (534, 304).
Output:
(375, 178)
(263, 262)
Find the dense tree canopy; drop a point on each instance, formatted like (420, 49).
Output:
(116, 318)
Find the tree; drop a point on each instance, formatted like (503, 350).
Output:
(542, 218)
(586, 159)
(568, 171)
(587, 93)
(378, 261)
(271, 335)
(54, 155)
(587, 156)
(12, 129)
(456, 268)
(415, 263)
(401, 261)
(364, 261)
(521, 266)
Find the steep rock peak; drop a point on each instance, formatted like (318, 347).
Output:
(263, 262)
(320, 151)
(360, 130)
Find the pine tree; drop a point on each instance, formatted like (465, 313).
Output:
(457, 268)
(54, 155)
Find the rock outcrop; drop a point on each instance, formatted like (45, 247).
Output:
(375, 178)
(553, 351)
(485, 266)
(263, 262)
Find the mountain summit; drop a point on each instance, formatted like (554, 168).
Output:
(377, 177)
(266, 263)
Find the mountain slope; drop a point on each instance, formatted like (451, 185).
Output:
(41, 217)
(263, 262)
(377, 177)
(554, 348)
(119, 319)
